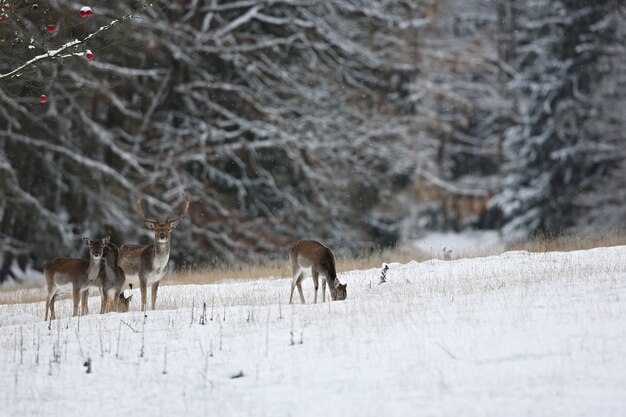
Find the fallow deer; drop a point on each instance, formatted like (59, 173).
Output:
(147, 264)
(77, 275)
(112, 281)
(314, 258)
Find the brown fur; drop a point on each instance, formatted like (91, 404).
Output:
(147, 264)
(63, 272)
(311, 254)
(112, 280)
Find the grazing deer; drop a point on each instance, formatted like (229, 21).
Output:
(147, 264)
(309, 255)
(112, 280)
(77, 275)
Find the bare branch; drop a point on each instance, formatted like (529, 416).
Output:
(68, 49)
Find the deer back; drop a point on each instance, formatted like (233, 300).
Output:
(132, 257)
(314, 255)
(62, 271)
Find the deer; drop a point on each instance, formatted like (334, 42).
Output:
(147, 264)
(316, 259)
(77, 275)
(112, 281)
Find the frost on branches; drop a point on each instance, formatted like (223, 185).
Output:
(358, 123)
(556, 150)
(273, 116)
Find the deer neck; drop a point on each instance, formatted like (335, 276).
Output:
(93, 270)
(161, 252)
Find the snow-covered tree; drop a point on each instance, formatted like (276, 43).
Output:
(457, 100)
(274, 116)
(287, 119)
(551, 153)
(601, 208)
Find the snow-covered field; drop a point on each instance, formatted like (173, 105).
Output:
(509, 335)
(469, 243)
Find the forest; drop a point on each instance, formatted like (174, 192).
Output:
(360, 123)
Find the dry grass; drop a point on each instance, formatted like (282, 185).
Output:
(211, 275)
(570, 243)
(279, 268)
(23, 295)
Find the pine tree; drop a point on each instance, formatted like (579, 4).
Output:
(550, 153)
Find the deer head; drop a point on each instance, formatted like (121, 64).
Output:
(162, 229)
(123, 303)
(96, 247)
(339, 291)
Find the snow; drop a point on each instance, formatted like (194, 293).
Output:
(28, 278)
(515, 334)
(459, 245)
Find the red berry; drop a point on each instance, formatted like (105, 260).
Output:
(82, 13)
(6, 8)
(43, 99)
(4, 17)
(89, 12)
(51, 28)
(85, 11)
(89, 55)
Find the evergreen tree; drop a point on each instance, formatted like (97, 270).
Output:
(551, 154)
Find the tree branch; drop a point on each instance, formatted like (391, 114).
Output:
(67, 50)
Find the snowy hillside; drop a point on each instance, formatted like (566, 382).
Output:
(509, 335)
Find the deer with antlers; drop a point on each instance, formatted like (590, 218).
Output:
(147, 264)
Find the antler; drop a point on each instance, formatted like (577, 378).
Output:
(142, 214)
(183, 212)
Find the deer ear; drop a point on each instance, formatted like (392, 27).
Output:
(150, 225)
(130, 297)
(173, 224)
(106, 240)
(87, 241)
(336, 283)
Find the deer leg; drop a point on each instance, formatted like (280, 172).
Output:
(114, 300)
(293, 287)
(53, 316)
(300, 292)
(155, 287)
(48, 304)
(143, 290)
(296, 278)
(111, 301)
(84, 302)
(116, 303)
(324, 289)
(104, 296)
(315, 277)
(75, 299)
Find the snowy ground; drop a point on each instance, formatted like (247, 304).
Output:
(470, 243)
(511, 335)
